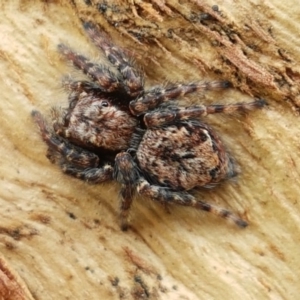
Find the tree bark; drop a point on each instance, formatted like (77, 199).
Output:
(60, 237)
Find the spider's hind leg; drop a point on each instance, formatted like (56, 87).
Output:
(165, 195)
(90, 175)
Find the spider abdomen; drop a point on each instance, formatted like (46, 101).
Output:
(183, 156)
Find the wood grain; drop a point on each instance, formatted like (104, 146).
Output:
(61, 235)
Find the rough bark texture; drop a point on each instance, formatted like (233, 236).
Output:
(61, 237)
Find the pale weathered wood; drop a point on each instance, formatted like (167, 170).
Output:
(61, 236)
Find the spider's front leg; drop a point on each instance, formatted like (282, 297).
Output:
(126, 173)
(133, 78)
(165, 195)
(107, 81)
(61, 119)
(171, 114)
(73, 160)
(60, 149)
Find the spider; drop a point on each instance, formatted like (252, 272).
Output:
(115, 129)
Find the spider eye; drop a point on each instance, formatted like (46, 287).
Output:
(104, 103)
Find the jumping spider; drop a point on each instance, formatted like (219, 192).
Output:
(114, 129)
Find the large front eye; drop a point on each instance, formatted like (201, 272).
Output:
(104, 103)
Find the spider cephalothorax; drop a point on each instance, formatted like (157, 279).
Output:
(114, 129)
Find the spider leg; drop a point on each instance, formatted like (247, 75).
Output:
(90, 175)
(61, 119)
(79, 86)
(107, 81)
(60, 148)
(126, 173)
(155, 96)
(163, 195)
(133, 79)
(170, 114)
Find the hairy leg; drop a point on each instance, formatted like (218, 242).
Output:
(155, 96)
(133, 79)
(108, 82)
(126, 174)
(59, 147)
(164, 195)
(79, 86)
(61, 118)
(90, 175)
(170, 114)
